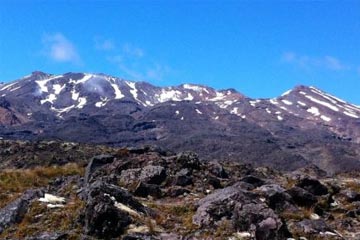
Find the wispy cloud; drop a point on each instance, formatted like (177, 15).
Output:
(309, 62)
(104, 44)
(135, 64)
(60, 49)
(133, 51)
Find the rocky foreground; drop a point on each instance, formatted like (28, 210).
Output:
(149, 193)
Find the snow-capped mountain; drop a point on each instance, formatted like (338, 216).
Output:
(299, 125)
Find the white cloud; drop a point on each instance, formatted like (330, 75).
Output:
(60, 49)
(104, 44)
(308, 62)
(133, 51)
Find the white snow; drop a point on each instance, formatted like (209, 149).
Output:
(194, 87)
(303, 93)
(7, 86)
(286, 93)
(314, 111)
(49, 198)
(189, 97)
(217, 117)
(82, 102)
(273, 101)
(287, 102)
(268, 111)
(62, 110)
(301, 103)
(42, 83)
(228, 102)
(74, 95)
(279, 118)
(283, 108)
(326, 104)
(14, 89)
(243, 116)
(325, 118)
(58, 88)
(50, 98)
(177, 112)
(118, 94)
(169, 94)
(253, 103)
(133, 89)
(219, 96)
(198, 111)
(278, 112)
(235, 110)
(102, 103)
(83, 80)
(351, 114)
(182, 118)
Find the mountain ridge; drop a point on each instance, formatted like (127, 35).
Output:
(303, 126)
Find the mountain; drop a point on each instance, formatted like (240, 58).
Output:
(303, 127)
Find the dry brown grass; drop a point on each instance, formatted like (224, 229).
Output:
(15, 181)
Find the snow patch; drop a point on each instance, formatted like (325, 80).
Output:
(287, 102)
(82, 102)
(325, 118)
(198, 111)
(301, 103)
(189, 97)
(58, 88)
(50, 98)
(351, 114)
(326, 104)
(118, 94)
(279, 118)
(314, 111)
(177, 112)
(286, 93)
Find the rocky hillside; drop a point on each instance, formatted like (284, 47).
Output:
(149, 193)
(303, 127)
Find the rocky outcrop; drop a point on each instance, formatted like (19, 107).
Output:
(15, 211)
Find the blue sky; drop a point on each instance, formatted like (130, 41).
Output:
(260, 48)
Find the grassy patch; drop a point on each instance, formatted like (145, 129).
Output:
(15, 181)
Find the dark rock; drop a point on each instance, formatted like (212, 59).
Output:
(144, 190)
(102, 217)
(313, 186)
(182, 179)
(258, 218)
(176, 191)
(255, 181)
(218, 170)
(220, 204)
(188, 160)
(302, 197)
(152, 174)
(129, 177)
(277, 197)
(214, 182)
(15, 211)
(95, 163)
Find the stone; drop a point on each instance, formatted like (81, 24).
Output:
(255, 181)
(302, 197)
(14, 212)
(152, 174)
(220, 204)
(188, 160)
(144, 190)
(96, 163)
(313, 186)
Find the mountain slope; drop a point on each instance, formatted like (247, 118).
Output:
(304, 126)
